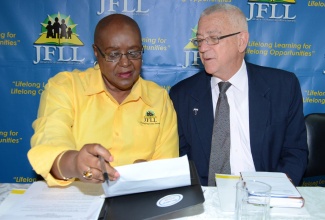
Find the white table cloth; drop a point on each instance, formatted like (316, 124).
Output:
(210, 209)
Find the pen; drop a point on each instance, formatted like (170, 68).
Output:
(105, 174)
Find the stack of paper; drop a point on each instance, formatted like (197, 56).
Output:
(283, 193)
(150, 176)
(79, 201)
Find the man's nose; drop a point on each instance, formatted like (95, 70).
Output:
(204, 46)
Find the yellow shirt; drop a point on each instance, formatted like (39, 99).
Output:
(76, 109)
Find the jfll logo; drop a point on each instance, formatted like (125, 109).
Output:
(190, 45)
(191, 52)
(58, 32)
(58, 29)
(150, 117)
(271, 10)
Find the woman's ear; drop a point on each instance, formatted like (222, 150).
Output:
(95, 51)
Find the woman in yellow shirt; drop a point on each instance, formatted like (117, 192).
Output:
(107, 111)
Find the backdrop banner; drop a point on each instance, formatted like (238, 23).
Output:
(40, 38)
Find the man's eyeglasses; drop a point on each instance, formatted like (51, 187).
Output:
(211, 40)
(116, 56)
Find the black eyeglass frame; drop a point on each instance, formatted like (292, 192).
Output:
(127, 54)
(198, 41)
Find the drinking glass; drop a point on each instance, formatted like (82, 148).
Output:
(252, 200)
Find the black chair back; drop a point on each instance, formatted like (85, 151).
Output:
(315, 125)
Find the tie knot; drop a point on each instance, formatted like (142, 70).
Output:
(224, 86)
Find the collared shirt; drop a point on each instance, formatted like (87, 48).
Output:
(76, 109)
(240, 151)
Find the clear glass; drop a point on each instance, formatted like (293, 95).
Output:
(252, 200)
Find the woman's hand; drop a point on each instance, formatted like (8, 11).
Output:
(85, 164)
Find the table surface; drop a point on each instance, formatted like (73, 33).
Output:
(210, 209)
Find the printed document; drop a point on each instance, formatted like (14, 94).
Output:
(283, 192)
(79, 201)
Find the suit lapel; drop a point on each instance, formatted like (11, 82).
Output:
(201, 105)
(259, 112)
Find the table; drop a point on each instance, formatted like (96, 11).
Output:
(210, 209)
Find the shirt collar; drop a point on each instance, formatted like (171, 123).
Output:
(237, 80)
(93, 83)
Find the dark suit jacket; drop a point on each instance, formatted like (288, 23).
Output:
(277, 128)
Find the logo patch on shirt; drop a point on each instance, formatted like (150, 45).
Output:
(150, 118)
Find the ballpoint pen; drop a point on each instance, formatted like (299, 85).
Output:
(105, 174)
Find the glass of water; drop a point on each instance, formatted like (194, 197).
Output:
(252, 200)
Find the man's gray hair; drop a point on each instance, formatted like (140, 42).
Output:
(235, 15)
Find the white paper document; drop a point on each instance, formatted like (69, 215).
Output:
(283, 193)
(281, 185)
(150, 176)
(10, 200)
(79, 201)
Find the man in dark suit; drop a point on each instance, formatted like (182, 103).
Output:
(267, 129)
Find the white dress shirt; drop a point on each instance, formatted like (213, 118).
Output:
(240, 150)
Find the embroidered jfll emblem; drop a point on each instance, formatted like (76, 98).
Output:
(150, 117)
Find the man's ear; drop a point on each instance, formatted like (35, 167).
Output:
(243, 41)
